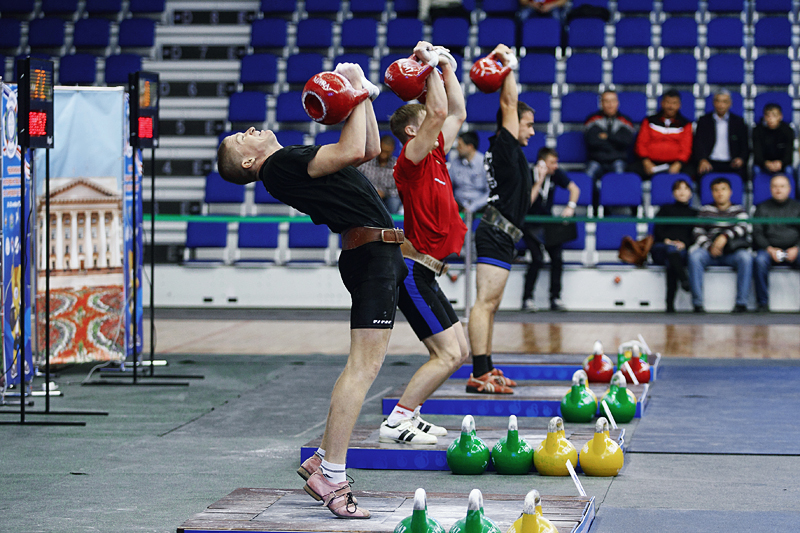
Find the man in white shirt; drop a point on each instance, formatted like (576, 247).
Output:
(467, 171)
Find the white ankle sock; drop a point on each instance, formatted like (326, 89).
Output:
(399, 413)
(333, 472)
(321, 453)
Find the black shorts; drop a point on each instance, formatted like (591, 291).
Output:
(372, 274)
(423, 303)
(494, 246)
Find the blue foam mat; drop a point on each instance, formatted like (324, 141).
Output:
(620, 520)
(711, 408)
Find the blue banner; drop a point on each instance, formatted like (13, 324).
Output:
(133, 175)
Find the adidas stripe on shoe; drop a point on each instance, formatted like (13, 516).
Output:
(405, 432)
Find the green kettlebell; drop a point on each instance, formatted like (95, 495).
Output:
(621, 402)
(580, 403)
(475, 521)
(512, 455)
(468, 454)
(419, 521)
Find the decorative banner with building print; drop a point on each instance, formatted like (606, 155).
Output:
(13, 344)
(87, 226)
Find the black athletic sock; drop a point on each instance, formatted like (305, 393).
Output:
(489, 362)
(480, 365)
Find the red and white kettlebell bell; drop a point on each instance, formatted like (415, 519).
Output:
(488, 73)
(406, 77)
(329, 98)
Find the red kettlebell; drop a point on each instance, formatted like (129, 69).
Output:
(329, 98)
(488, 73)
(641, 368)
(406, 78)
(598, 367)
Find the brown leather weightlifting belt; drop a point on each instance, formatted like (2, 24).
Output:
(493, 217)
(409, 252)
(355, 237)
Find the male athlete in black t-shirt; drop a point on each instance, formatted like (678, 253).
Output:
(321, 181)
(509, 198)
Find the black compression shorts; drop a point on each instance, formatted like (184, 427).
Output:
(494, 246)
(372, 273)
(423, 303)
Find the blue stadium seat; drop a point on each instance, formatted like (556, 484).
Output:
(621, 190)
(736, 187)
(631, 69)
(725, 6)
(725, 32)
(679, 32)
(587, 33)
(91, 33)
(77, 69)
(403, 33)
(119, 66)
(571, 147)
(490, 28)
(9, 33)
(406, 7)
(761, 190)
(541, 33)
(268, 33)
(772, 97)
(451, 32)
(261, 196)
(259, 69)
(773, 32)
(278, 7)
(17, 7)
(773, 6)
(59, 7)
(501, 7)
(584, 183)
(137, 32)
(584, 69)
(209, 235)
(363, 60)
(772, 69)
(289, 108)
(608, 235)
(323, 7)
(535, 143)
(219, 191)
(103, 7)
(253, 236)
(146, 6)
(661, 187)
(359, 33)
(310, 237)
(482, 108)
(577, 106)
(633, 104)
(301, 67)
(737, 103)
(635, 6)
(537, 69)
(385, 104)
(680, 6)
(327, 137)
(314, 33)
(46, 32)
(367, 7)
(725, 69)
(286, 138)
(540, 102)
(247, 106)
(688, 105)
(633, 32)
(679, 69)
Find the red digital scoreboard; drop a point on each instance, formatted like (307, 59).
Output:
(143, 90)
(35, 97)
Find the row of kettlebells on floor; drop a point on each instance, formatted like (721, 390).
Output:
(476, 521)
(469, 454)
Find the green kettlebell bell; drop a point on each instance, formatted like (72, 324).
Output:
(621, 402)
(580, 403)
(475, 521)
(468, 454)
(512, 455)
(419, 521)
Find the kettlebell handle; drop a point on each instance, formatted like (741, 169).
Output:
(601, 425)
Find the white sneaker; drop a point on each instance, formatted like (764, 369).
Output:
(406, 432)
(427, 427)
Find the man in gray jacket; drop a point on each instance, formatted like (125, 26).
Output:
(775, 243)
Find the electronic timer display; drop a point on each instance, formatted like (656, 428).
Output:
(35, 118)
(143, 90)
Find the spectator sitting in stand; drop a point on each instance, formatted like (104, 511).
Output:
(773, 144)
(672, 241)
(664, 143)
(721, 141)
(609, 136)
(776, 243)
(541, 8)
(470, 186)
(721, 243)
(379, 172)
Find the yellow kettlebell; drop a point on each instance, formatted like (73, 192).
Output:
(601, 456)
(532, 520)
(551, 456)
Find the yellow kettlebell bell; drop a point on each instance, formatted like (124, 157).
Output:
(551, 456)
(532, 520)
(601, 456)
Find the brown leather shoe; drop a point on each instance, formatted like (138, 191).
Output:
(337, 497)
(309, 466)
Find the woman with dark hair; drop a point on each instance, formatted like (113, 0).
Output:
(673, 240)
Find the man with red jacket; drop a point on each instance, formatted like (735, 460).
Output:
(664, 143)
